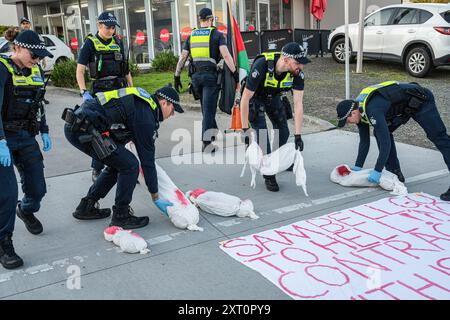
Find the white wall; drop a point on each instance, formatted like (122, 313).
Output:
(8, 14)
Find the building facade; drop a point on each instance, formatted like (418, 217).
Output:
(151, 26)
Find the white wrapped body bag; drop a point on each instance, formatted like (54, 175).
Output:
(128, 241)
(275, 162)
(344, 176)
(183, 214)
(222, 204)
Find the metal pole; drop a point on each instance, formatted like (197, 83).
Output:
(362, 10)
(347, 54)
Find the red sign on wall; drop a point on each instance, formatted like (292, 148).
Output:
(140, 38)
(222, 29)
(164, 35)
(74, 43)
(185, 33)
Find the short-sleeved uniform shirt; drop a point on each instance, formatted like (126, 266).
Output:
(87, 52)
(256, 78)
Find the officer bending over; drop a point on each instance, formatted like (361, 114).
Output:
(270, 74)
(386, 106)
(100, 128)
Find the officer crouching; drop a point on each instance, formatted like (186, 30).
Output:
(100, 128)
(385, 107)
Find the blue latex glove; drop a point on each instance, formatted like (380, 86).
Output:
(374, 176)
(87, 96)
(5, 156)
(162, 205)
(356, 168)
(47, 142)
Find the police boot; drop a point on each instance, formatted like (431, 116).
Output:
(124, 217)
(399, 174)
(88, 209)
(446, 196)
(208, 147)
(271, 183)
(33, 225)
(8, 257)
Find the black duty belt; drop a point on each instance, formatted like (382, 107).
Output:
(17, 125)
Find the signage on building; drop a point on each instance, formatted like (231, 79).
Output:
(74, 43)
(222, 29)
(140, 38)
(164, 35)
(185, 33)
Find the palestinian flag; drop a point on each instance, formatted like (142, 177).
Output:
(236, 47)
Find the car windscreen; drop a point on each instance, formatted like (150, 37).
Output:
(446, 16)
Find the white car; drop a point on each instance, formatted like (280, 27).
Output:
(416, 35)
(59, 49)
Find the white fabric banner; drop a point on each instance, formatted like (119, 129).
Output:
(394, 248)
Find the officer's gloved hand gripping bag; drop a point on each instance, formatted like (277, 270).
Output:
(183, 213)
(275, 162)
(344, 176)
(222, 204)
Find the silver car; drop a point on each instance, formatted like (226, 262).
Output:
(416, 35)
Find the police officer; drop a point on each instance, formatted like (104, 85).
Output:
(101, 127)
(270, 74)
(22, 118)
(386, 106)
(104, 56)
(205, 45)
(25, 24)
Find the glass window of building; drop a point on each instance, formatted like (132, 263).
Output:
(55, 19)
(40, 23)
(138, 31)
(164, 21)
(199, 5)
(72, 23)
(275, 14)
(117, 7)
(184, 20)
(287, 14)
(220, 14)
(250, 15)
(85, 21)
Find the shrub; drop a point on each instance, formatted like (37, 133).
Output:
(64, 74)
(165, 61)
(3, 29)
(134, 69)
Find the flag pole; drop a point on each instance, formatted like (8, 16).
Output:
(347, 54)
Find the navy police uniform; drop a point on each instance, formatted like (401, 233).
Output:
(22, 117)
(387, 106)
(120, 116)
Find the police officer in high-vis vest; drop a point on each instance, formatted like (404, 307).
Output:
(271, 74)
(205, 45)
(104, 56)
(22, 118)
(101, 127)
(385, 107)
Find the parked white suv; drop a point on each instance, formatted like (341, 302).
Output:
(416, 35)
(59, 49)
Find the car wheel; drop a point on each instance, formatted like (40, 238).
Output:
(338, 51)
(61, 59)
(418, 62)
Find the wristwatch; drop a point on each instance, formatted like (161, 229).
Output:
(82, 92)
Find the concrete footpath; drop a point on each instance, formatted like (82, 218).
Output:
(185, 264)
